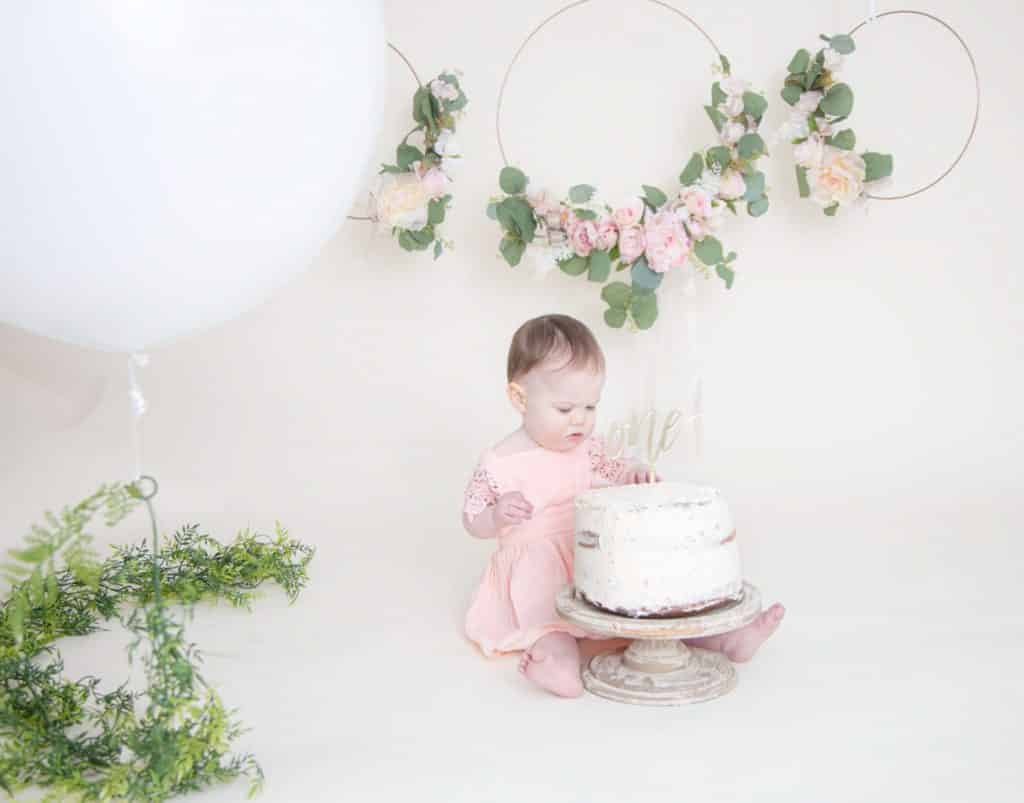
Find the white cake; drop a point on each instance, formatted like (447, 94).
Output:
(662, 549)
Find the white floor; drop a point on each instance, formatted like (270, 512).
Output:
(895, 676)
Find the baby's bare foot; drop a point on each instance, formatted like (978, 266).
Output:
(553, 663)
(740, 645)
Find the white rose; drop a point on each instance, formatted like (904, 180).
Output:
(732, 107)
(833, 60)
(710, 181)
(808, 102)
(731, 132)
(794, 128)
(734, 86)
(809, 153)
(824, 127)
(401, 201)
(732, 186)
(446, 144)
(442, 90)
(838, 179)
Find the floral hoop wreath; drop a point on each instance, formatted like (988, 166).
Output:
(411, 197)
(654, 233)
(828, 170)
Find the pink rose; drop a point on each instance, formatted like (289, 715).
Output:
(629, 215)
(542, 203)
(582, 237)
(667, 243)
(607, 235)
(435, 182)
(632, 243)
(696, 202)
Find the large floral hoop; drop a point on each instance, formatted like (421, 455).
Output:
(658, 231)
(828, 170)
(412, 198)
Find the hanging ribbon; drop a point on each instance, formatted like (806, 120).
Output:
(138, 405)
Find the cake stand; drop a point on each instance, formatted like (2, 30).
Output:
(657, 668)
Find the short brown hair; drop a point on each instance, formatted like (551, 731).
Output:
(539, 338)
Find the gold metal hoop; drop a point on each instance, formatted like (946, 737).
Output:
(558, 13)
(977, 97)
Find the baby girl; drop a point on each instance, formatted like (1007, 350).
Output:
(521, 494)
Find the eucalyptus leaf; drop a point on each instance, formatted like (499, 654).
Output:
(644, 309)
(693, 171)
(643, 276)
(719, 155)
(755, 186)
(758, 207)
(844, 140)
(754, 104)
(727, 275)
(655, 198)
(600, 266)
(791, 94)
(512, 180)
(750, 146)
(716, 117)
(617, 295)
(877, 165)
(838, 101)
(831, 209)
(435, 211)
(800, 61)
(581, 193)
(717, 94)
(708, 250)
(615, 318)
(405, 155)
(801, 181)
(512, 249)
(574, 265)
(842, 43)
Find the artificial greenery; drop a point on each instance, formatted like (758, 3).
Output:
(736, 112)
(814, 77)
(80, 742)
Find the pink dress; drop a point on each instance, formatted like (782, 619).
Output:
(515, 602)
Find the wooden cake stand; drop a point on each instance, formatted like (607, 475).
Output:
(658, 668)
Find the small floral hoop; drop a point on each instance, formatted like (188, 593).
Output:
(411, 197)
(827, 168)
(654, 233)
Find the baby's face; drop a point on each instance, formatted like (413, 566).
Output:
(560, 404)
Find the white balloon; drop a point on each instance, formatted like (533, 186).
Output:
(167, 165)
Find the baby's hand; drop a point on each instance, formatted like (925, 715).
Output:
(639, 475)
(512, 508)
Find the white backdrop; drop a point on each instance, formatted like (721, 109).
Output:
(863, 387)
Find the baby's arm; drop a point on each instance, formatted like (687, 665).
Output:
(487, 512)
(606, 471)
(511, 508)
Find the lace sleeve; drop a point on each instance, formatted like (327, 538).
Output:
(604, 470)
(481, 493)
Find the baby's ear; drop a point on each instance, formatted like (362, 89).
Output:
(517, 396)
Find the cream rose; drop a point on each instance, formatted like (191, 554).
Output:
(401, 200)
(810, 152)
(628, 215)
(838, 179)
(732, 107)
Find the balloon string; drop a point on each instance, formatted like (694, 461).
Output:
(138, 406)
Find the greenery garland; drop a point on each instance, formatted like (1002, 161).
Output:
(828, 170)
(411, 197)
(81, 743)
(659, 231)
